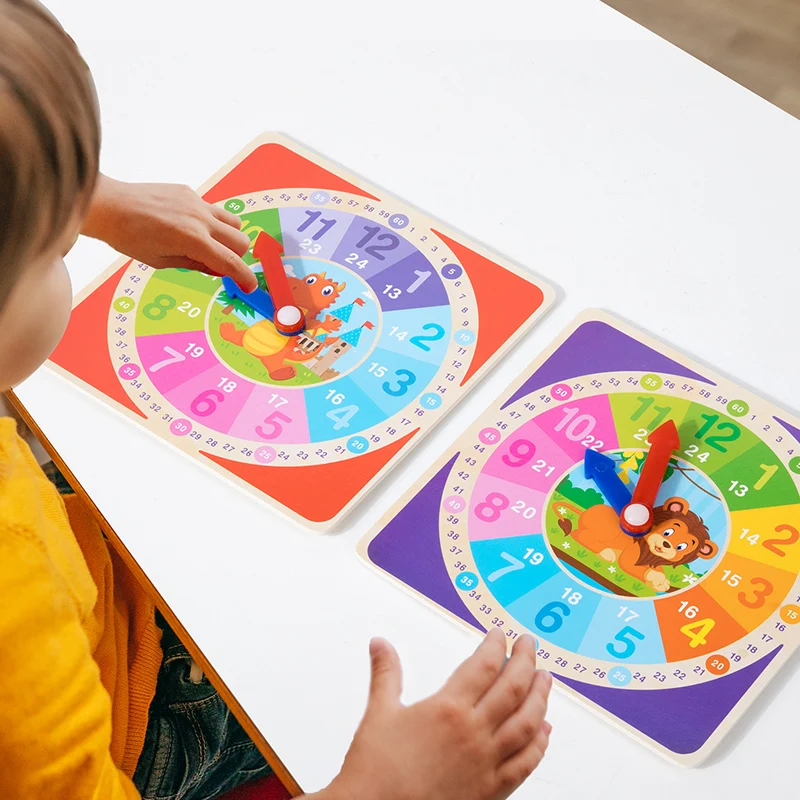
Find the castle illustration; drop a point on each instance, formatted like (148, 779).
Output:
(331, 347)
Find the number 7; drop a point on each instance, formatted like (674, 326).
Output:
(176, 359)
(515, 564)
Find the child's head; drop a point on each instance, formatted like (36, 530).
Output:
(49, 150)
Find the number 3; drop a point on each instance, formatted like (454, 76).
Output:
(761, 595)
(410, 379)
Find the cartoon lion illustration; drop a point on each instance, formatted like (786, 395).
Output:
(313, 293)
(677, 537)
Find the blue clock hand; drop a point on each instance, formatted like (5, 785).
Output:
(603, 471)
(258, 299)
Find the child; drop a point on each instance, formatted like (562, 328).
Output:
(98, 698)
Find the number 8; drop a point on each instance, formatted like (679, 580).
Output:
(489, 510)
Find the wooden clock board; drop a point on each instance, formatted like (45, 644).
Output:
(508, 530)
(405, 316)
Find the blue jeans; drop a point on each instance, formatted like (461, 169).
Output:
(194, 748)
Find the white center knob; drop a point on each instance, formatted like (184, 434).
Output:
(289, 315)
(637, 514)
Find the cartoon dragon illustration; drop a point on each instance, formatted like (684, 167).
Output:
(314, 294)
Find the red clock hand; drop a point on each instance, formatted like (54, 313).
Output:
(289, 319)
(637, 516)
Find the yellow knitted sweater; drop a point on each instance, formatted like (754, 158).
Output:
(79, 647)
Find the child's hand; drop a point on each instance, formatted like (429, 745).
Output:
(478, 738)
(165, 225)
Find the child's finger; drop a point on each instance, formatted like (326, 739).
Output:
(515, 770)
(227, 217)
(511, 688)
(480, 670)
(232, 239)
(521, 727)
(221, 260)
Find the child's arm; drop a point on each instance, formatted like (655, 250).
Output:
(165, 225)
(478, 738)
(55, 714)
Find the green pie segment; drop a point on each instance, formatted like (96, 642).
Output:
(756, 479)
(713, 439)
(746, 470)
(167, 307)
(256, 222)
(189, 279)
(638, 414)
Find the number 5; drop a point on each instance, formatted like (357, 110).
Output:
(274, 421)
(628, 644)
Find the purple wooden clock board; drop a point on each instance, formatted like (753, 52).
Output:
(670, 635)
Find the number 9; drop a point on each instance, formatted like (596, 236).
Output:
(520, 449)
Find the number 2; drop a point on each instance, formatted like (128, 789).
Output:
(774, 545)
(420, 340)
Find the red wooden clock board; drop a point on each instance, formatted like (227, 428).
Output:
(403, 317)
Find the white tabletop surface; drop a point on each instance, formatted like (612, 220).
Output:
(628, 174)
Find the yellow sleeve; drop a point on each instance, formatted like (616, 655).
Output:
(55, 714)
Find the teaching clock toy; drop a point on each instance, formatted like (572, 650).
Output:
(638, 515)
(389, 319)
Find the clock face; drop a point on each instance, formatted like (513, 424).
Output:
(391, 327)
(402, 317)
(517, 527)
(539, 549)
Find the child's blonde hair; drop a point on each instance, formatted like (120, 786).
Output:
(49, 135)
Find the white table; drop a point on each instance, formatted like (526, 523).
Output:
(630, 175)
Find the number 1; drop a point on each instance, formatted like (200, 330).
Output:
(421, 278)
(769, 471)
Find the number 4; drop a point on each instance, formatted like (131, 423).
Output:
(342, 416)
(697, 631)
